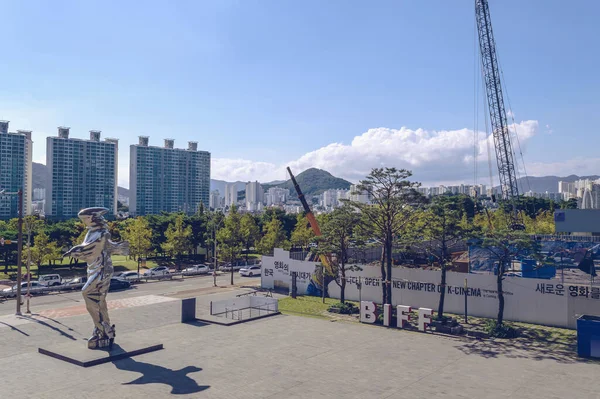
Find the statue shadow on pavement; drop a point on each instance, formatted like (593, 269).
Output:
(180, 382)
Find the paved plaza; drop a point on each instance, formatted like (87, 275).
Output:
(277, 357)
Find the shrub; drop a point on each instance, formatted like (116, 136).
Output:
(343, 308)
(503, 330)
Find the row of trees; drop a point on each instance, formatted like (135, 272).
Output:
(400, 216)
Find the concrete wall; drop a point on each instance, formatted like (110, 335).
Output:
(538, 301)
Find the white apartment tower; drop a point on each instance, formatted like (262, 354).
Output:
(254, 196)
(15, 170)
(83, 174)
(231, 194)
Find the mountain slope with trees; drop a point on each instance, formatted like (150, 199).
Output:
(313, 181)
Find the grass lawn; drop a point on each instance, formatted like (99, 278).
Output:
(311, 306)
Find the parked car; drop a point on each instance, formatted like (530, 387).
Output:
(227, 268)
(196, 269)
(129, 276)
(250, 271)
(50, 280)
(76, 282)
(34, 289)
(157, 271)
(118, 284)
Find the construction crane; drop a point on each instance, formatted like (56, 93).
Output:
(314, 225)
(495, 100)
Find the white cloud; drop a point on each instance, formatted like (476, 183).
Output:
(433, 156)
(243, 170)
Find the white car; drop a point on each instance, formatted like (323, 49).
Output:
(50, 280)
(249, 271)
(34, 288)
(129, 276)
(196, 269)
(157, 271)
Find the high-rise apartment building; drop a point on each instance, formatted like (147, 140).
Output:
(168, 179)
(277, 196)
(214, 200)
(231, 194)
(15, 170)
(83, 174)
(359, 196)
(254, 196)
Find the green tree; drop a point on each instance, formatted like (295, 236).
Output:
(44, 250)
(159, 225)
(288, 221)
(249, 231)
(139, 235)
(198, 221)
(214, 222)
(337, 234)
(178, 239)
(273, 237)
(229, 238)
(570, 204)
(442, 226)
(394, 204)
(302, 235)
(503, 246)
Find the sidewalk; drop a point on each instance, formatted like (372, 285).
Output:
(279, 357)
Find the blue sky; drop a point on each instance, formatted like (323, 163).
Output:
(331, 84)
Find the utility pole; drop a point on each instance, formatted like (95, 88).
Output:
(19, 249)
(215, 256)
(28, 295)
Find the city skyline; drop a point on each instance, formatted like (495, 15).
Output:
(332, 89)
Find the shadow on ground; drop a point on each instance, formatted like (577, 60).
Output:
(178, 380)
(46, 324)
(526, 347)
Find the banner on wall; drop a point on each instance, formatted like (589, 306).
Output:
(539, 301)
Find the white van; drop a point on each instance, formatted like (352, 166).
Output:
(50, 280)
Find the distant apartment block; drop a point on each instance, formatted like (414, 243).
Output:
(586, 191)
(15, 170)
(254, 196)
(231, 194)
(214, 200)
(84, 174)
(359, 196)
(39, 194)
(168, 179)
(277, 196)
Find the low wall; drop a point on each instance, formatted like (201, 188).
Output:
(539, 301)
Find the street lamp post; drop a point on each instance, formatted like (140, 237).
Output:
(216, 226)
(19, 194)
(28, 295)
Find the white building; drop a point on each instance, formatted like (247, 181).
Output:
(330, 199)
(359, 196)
(277, 196)
(231, 194)
(15, 170)
(214, 199)
(254, 196)
(39, 194)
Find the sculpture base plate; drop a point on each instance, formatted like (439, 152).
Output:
(77, 352)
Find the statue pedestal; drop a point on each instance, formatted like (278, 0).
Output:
(77, 352)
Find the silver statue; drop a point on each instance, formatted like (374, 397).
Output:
(96, 250)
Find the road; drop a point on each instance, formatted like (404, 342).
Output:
(178, 288)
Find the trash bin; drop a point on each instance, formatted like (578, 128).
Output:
(588, 336)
